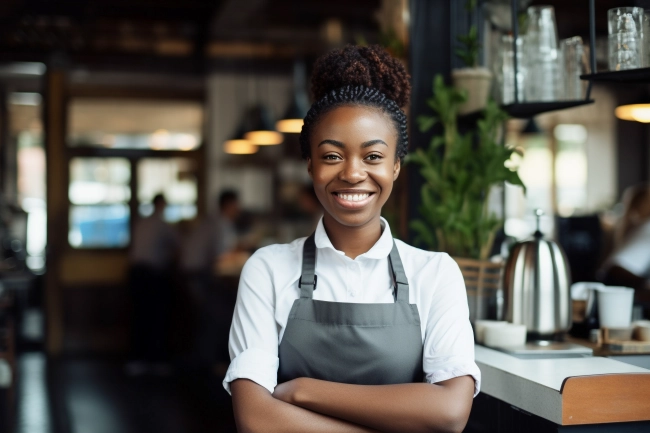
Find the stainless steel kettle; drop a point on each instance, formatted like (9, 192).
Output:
(537, 286)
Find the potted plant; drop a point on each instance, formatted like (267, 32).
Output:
(472, 79)
(459, 171)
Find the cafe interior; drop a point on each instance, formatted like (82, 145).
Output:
(106, 104)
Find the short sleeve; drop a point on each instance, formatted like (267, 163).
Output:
(449, 340)
(253, 343)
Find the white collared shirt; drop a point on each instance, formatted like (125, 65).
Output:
(268, 288)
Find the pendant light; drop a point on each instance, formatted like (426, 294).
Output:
(291, 122)
(260, 128)
(639, 112)
(238, 145)
(531, 128)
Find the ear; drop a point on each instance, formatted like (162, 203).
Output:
(309, 168)
(396, 169)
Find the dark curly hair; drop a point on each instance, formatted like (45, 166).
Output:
(359, 76)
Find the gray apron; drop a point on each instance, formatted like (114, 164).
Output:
(370, 344)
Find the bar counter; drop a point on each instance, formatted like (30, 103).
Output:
(568, 391)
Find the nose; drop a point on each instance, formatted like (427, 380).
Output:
(352, 172)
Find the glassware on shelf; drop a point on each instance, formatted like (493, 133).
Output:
(572, 65)
(646, 39)
(505, 71)
(626, 38)
(541, 51)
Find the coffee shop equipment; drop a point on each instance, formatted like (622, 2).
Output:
(537, 287)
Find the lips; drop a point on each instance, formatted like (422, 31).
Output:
(353, 199)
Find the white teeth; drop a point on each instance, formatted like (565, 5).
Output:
(354, 197)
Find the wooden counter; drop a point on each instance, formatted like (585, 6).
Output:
(567, 391)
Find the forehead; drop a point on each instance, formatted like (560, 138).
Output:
(355, 123)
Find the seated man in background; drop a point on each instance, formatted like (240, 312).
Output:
(153, 251)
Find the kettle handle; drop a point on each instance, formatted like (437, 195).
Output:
(538, 214)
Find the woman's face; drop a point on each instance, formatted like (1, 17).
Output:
(353, 164)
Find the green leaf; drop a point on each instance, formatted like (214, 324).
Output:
(426, 122)
(424, 232)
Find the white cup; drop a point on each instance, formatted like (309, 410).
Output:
(615, 306)
(481, 325)
(506, 335)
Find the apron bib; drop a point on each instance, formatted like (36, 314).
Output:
(369, 344)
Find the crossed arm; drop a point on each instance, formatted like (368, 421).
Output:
(314, 406)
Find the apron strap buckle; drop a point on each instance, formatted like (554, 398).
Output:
(312, 283)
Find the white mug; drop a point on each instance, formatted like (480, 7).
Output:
(615, 306)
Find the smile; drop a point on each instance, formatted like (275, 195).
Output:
(353, 200)
(354, 197)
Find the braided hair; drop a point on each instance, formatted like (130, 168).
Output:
(355, 75)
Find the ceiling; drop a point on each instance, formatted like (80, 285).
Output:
(132, 30)
(190, 35)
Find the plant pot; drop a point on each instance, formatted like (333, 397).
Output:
(483, 285)
(476, 82)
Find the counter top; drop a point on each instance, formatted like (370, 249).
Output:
(567, 391)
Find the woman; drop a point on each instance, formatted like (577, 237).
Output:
(348, 330)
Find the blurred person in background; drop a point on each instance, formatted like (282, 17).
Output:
(215, 237)
(153, 251)
(629, 264)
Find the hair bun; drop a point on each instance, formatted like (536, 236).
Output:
(370, 66)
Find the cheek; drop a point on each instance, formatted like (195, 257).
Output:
(387, 177)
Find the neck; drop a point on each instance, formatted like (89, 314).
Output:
(353, 241)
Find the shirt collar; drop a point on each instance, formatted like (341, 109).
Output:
(380, 250)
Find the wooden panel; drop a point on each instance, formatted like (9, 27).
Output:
(57, 201)
(605, 398)
(80, 267)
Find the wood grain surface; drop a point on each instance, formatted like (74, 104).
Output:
(605, 398)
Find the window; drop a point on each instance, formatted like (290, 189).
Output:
(27, 129)
(99, 193)
(176, 179)
(571, 168)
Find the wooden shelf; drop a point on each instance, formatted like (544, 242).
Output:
(639, 75)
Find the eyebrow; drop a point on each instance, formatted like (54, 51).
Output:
(363, 145)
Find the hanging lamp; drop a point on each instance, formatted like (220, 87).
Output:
(291, 122)
(238, 145)
(260, 128)
(531, 128)
(637, 112)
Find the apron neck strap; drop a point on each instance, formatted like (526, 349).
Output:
(307, 282)
(399, 276)
(308, 279)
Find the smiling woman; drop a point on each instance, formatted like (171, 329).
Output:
(349, 330)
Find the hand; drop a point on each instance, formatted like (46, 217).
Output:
(286, 391)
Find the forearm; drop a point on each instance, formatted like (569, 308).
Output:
(413, 407)
(257, 411)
